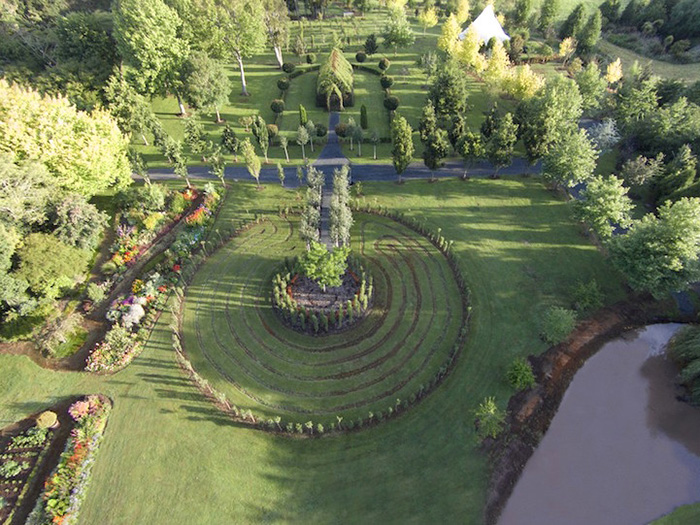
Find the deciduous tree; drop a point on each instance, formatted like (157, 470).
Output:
(603, 205)
(659, 254)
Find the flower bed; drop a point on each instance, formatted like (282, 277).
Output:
(133, 316)
(21, 458)
(65, 488)
(305, 307)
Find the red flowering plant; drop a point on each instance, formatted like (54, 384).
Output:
(199, 216)
(64, 490)
(189, 194)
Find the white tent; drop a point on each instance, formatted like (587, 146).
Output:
(486, 26)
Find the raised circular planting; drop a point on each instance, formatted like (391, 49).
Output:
(305, 305)
(380, 366)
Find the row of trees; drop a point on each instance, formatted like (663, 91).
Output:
(310, 223)
(340, 213)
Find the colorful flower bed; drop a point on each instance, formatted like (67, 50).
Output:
(65, 488)
(20, 459)
(133, 316)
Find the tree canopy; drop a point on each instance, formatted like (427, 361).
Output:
(85, 152)
(660, 253)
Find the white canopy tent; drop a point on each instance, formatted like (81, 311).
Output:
(486, 26)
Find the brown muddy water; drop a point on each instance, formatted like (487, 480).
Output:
(621, 449)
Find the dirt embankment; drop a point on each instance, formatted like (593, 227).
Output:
(530, 412)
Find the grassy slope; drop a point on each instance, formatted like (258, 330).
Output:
(687, 72)
(518, 248)
(685, 515)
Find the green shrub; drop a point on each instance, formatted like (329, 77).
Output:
(321, 130)
(386, 81)
(685, 351)
(557, 324)
(49, 265)
(384, 64)
(520, 374)
(178, 204)
(78, 223)
(277, 106)
(341, 130)
(12, 468)
(109, 268)
(288, 67)
(272, 131)
(490, 419)
(363, 117)
(283, 84)
(360, 56)
(303, 118)
(46, 419)
(31, 438)
(310, 58)
(147, 198)
(391, 103)
(587, 296)
(95, 293)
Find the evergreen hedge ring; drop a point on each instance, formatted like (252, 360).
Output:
(375, 369)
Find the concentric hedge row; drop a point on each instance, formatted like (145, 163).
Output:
(383, 364)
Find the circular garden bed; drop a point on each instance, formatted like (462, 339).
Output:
(388, 360)
(307, 307)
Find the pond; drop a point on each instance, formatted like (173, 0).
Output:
(621, 449)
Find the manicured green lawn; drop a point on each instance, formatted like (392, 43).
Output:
(240, 345)
(169, 457)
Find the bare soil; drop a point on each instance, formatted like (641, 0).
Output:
(309, 294)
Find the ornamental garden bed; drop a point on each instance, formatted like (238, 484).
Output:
(65, 489)
(22, 456)
(305, 306)
(133, 315)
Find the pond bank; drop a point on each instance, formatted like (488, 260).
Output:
(531, 412)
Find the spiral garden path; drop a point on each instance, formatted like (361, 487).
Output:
(236, 341)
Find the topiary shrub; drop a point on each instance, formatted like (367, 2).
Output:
(386, 81)
(341, 130)
(310, 58)
(277, 106)
(520, 374)
(46, 419)
(288, 67)
(557, 324)
(363, 117)
(283, 84)
(321, 130)
(384, 64)
(360, 56)
(272, 131)
(391, 103)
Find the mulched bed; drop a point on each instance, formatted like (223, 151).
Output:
(20, 492)
(310, 295)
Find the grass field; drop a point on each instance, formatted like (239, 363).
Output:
(169, 457)
(687, 72)
(236, 340)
